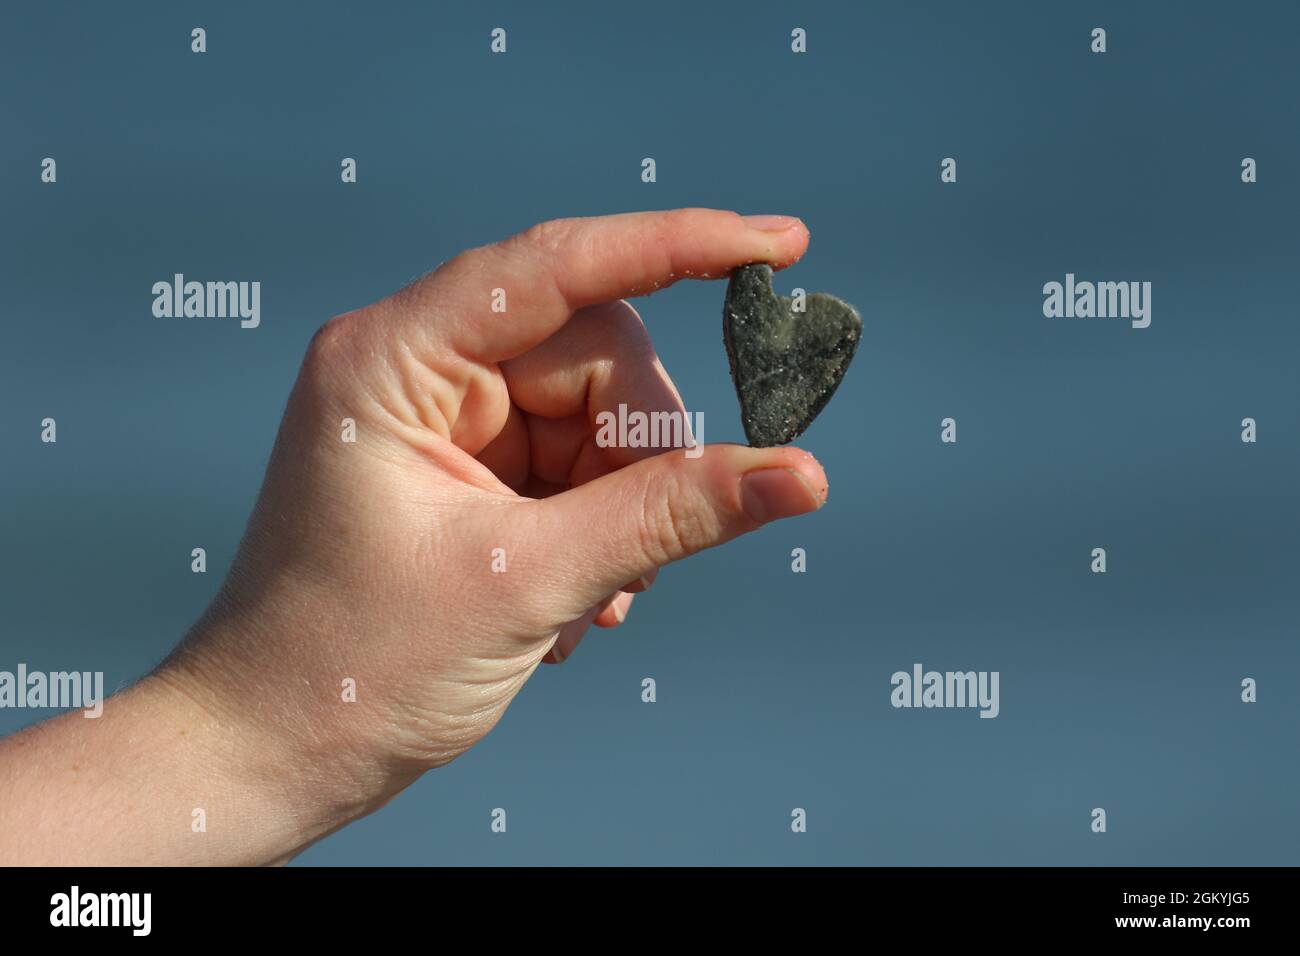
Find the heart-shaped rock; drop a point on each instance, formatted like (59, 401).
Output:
(786, 364)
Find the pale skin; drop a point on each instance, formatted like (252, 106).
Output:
(373, 560)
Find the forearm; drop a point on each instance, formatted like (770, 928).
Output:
(157, 779)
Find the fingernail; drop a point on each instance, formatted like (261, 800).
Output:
(771, 223)
(620, 606)
(645, 582)
(772, 493)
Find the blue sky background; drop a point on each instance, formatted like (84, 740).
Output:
(1118, 690)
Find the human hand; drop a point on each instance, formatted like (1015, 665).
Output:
(372, 561)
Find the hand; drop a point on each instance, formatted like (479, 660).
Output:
(379, 561)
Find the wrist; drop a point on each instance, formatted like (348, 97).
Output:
(257, 747)
(157, 779)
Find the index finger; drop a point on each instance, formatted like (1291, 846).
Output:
(497, 302)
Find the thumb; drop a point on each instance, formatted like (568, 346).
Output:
(632, 521)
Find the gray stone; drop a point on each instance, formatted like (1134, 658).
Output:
(786, 364)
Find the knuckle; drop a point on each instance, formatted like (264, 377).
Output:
(626, 325)
(615, 330)
(673, 524)
(681, 218)
(331, 341)
(465, 266)
(547, 237)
